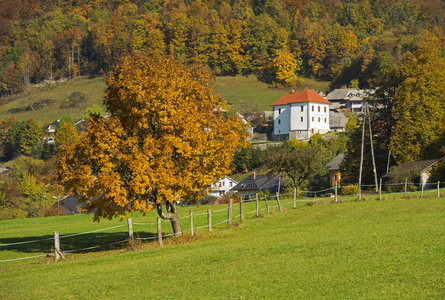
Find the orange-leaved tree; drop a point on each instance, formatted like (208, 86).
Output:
(166, 140)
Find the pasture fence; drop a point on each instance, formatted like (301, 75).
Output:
(197, 223)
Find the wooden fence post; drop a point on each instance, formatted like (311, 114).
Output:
(161, 244)
(278, 201)
(257, 205)
(229, 221)
(267, 204)
(191, 223)
(336, 192)
(295, 197)
(406, 185)
(209, 219)
(56, 245)
(130, 229)
(438, 189)
(380, 189)
(241, 209)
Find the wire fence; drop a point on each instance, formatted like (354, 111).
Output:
(200, 221)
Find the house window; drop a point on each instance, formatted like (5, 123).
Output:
(230, 184)
(318, 120)
(325, 120)
(301, 108)
(279, 121)
(312, 108)
(325, 109)
(312, 119)
(301, 119)
(319, 109)
(335, 177)
(279, 111)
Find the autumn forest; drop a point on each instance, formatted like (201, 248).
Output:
(279, 41)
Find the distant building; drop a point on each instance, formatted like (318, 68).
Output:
(334, 169)
(343, 99)
(423, 167)
(258, 183)
(221, 187)
(337, 122)
(299, 115)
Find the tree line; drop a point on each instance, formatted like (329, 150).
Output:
(279, 41)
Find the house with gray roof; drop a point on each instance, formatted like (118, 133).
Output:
(352, 99)
(422, 167)
(334, 169)
(337, 122)
(258, 183)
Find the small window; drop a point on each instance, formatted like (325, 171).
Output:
(301, 108)
(312, 108)
(325, 120)
(319, 109)
(230, 184)
(313, 119)
(279, 121)
(318, 120)
(325, 109)
(279, 111)
(301, 119)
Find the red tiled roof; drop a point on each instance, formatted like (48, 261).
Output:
(301, 97)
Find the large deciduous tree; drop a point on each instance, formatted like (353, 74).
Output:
(419, 106)
(166, 139)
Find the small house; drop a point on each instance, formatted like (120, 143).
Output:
(258, 183)
(222, 186)
(422, 167)
(334, 169)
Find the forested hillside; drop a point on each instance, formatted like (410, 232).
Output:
(280, 41)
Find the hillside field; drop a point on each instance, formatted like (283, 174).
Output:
(371, 249)
(244, 93)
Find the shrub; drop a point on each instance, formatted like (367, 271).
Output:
(75, 100)
(349, 190)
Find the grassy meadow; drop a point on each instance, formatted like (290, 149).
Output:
(371, 249)
(244, 93)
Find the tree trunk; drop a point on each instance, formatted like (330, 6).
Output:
(172, 215)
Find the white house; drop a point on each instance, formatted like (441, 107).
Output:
(301, 114)
(222, 186)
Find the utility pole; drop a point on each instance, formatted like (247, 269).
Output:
(361, 162)
(372, 149)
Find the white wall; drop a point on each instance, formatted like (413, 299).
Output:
(298, 116)
(281, 115)
(319, 117)
(223, 185)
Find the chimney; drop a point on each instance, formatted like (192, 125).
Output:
(254, 175)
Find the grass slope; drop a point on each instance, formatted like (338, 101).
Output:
(93, 89)
(252, 93)
(376, 250)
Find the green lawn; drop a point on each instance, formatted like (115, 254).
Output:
(371, 249)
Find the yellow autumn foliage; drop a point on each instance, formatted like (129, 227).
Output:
(167, 139)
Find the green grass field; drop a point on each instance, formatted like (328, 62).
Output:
(244, 93)
(386, 249)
